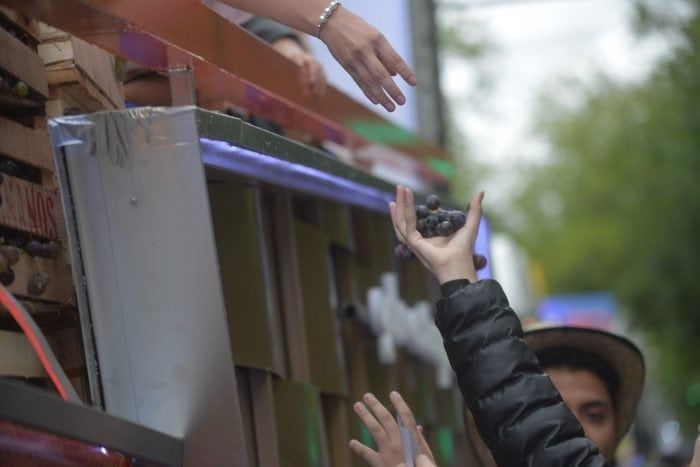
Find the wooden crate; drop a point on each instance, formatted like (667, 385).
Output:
(80, 75)
(23, 143)
(21, 22)
(19, 62)
(31, 209)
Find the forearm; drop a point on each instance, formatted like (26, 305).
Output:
(301, 15)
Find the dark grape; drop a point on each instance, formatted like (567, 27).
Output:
(423, 228)
(403, 252)
(34, 248)
(444, 215)
(45, 251)
(431, 221)
(10, 253)
(38, 284)
(4, 264)
(1, 200)
(480, 262)
(9, 167)
(7, 277)
(433, 202)
(445, 229)
(2, 179)
(54, 250)
(458, 219)
(422, 211)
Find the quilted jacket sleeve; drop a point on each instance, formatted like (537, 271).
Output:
(517, 409)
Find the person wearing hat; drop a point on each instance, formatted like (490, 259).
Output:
(516, 408)
(599, 375)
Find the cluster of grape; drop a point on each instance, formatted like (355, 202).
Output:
(9, 256)
(50, 250)
(433, 221)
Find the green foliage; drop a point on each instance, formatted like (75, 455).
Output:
(618, 206)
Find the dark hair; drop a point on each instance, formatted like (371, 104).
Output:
(577, 359)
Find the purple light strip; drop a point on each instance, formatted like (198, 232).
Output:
(293, 176)
(298, 177)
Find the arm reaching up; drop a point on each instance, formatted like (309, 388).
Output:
(518, 411)
(359, 47)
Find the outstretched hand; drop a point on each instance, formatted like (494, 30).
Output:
(447, 258)
(368, 57)
(387, 435)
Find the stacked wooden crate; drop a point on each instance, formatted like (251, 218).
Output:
(34, 263)
(81, 77)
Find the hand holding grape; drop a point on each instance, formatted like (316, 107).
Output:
(446, 257)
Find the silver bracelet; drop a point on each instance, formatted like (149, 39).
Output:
(325, 15)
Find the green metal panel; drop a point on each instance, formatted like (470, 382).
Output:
(322, 330)
(299, 425)
(251, 315)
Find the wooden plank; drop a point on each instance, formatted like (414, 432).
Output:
(345, 281)
(300, 425)
(61, 103)
(252, 317)
(96, 64)
(355, 336)
(322, 332)
(28, 25)
(263, 402)
(60, 288)
(13, 105)
(336, 220)
(49, 33)
(77, 85)
(247, 417)
(31, 208)
(68, 346)
(29, 145)
(21, 62)
(290, 288)
(335, 414)
(17, 357)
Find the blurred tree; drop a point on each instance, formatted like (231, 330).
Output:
(618, 205)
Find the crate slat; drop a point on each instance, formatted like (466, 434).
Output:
(60, 289)
(31, 208)
(95, 63)
(73, 88)
(28, 25)
(28, 145)
(21, 62)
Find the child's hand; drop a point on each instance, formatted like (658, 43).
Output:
(386, 434)
(447, 258)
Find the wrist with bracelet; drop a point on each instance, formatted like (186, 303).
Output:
(327, 12)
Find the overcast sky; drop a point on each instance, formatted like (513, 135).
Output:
(538, 42)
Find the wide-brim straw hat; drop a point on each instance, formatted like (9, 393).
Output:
(619, 353)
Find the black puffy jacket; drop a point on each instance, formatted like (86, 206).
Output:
(517, 410)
